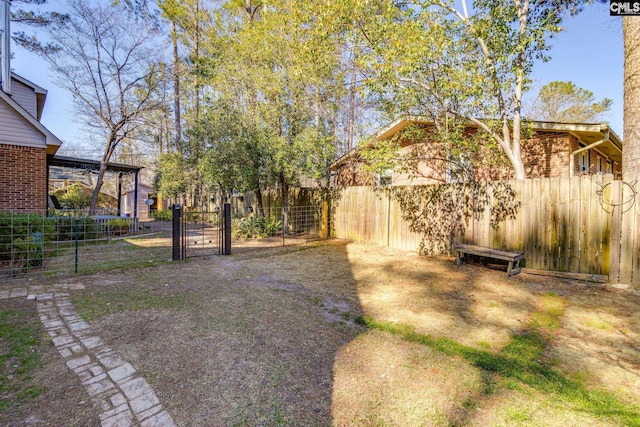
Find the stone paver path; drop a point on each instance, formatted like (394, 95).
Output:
(126, 399)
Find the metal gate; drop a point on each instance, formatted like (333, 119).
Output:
(201, 233)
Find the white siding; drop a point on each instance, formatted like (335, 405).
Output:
(25, 96)
(16, 130)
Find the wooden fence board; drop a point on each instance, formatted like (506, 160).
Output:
(545, 223)
(615, 218)
(562, 224)
(627, 242)
(604, 198)
(633, 181)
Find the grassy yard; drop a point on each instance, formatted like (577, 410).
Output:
(353, 335)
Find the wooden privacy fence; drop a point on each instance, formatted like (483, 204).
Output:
(585, 224)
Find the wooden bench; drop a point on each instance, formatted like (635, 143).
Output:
(512, 257)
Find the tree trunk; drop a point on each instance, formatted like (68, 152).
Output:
(176, 88)
(285, 203)
(631, 135)
(104, 162)
(259, 207)
(352, 103)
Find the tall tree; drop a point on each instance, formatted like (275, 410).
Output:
(566, 102)
(631, 148)
(24, 15)
(279, 75)
(447, 59)
(107, 63)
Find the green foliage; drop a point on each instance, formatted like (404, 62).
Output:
(22, 238)
(74, 196)
(70, 228)
(165, 215)
(252, 227)
(25, 17)
(565, 102)
(442, 59)
(118, 225)
(18, 359)
(171, 176)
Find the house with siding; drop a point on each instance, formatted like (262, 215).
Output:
(549, 150)
(25, 146)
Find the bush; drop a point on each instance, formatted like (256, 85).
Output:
(118, 225)
(165, 215)
(22, 238)
(271, 226)
(251, 228)
(87, 228)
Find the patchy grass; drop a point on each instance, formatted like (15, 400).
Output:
(355, 335)
(522, 360)
(94, 303)
(18, 359)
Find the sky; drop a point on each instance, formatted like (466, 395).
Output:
(589, 52)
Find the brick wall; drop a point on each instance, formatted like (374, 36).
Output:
(23, 178)
(545, 155)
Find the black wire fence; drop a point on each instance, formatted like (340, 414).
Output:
(291, 225)
(65, 241)
(68, 241)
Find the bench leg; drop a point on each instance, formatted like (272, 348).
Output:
(509, 268)
(458, 261)
(516, 269)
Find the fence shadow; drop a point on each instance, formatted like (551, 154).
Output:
(441, 214)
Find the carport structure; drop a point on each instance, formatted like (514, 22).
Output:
(93, 166)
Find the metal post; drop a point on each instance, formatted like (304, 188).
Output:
(120, 194)
(177, 253)
(135, 198)
(5, 50)
(227, 230)
(77, 238)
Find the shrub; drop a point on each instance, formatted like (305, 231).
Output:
(245, 228)
(87, 228)
(165, 215)
(118, 225)
(271, 226)
(251, 228)
(22, 238)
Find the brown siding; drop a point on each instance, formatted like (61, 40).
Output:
(23, 178)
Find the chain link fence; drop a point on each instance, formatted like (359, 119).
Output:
(68, 241)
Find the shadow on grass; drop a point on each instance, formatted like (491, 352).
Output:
(521, 360)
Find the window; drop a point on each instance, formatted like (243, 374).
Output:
(583, 162)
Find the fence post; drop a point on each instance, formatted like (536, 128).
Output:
(77, 238)
(226, 250)
(177, 253)
(325, 220)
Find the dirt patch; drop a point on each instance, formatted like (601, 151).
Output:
(272, 336)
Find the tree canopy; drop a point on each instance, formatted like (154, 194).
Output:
(566, 102)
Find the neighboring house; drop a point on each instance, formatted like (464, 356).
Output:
(27, 151)
(25, 145)
(148, 201)
(553, 150)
